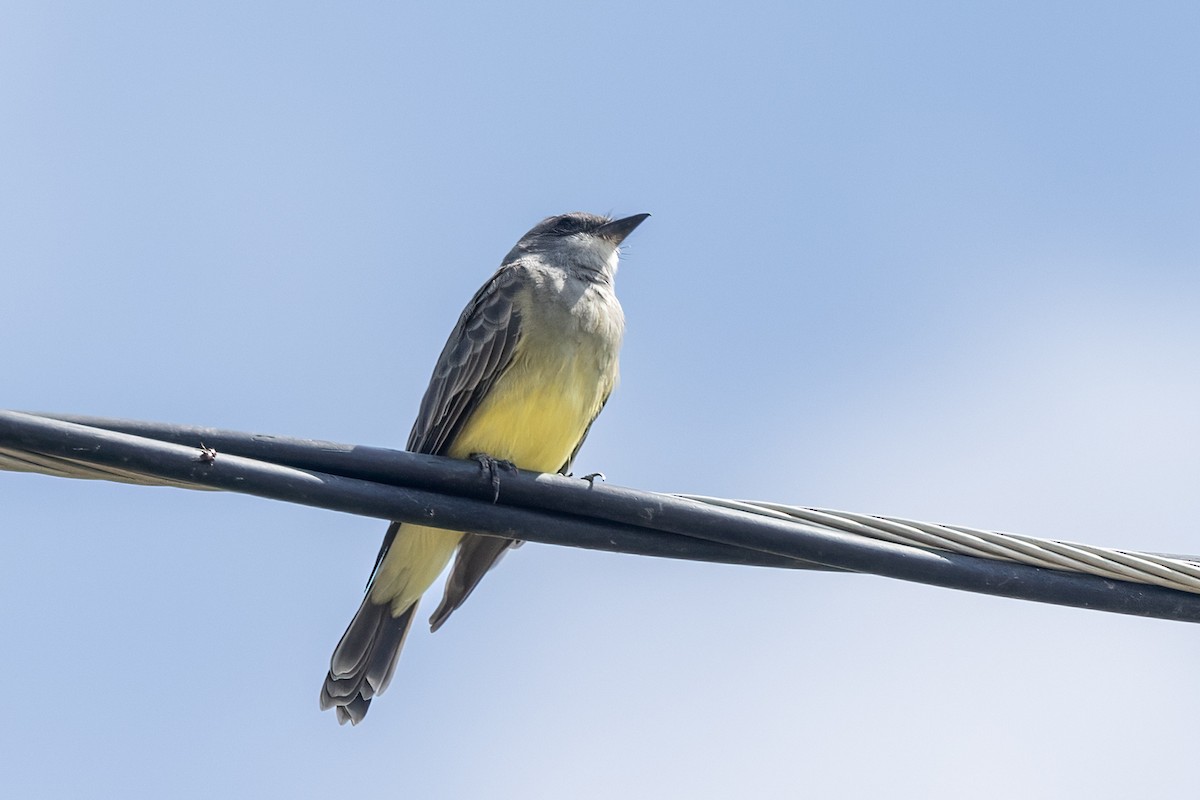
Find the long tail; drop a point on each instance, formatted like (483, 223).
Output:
(364, 659)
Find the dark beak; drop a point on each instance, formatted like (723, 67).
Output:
(618, 229)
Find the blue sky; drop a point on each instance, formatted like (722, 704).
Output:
(939, 261)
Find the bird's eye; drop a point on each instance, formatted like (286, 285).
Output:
(566, 226)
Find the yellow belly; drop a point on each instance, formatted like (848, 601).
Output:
(413, 562)
(533, 416)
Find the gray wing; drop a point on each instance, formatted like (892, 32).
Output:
(479, 350)
(476, 555)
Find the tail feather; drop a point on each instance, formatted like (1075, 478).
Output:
(364, 659)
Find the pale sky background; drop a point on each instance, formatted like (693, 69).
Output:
(935, 260)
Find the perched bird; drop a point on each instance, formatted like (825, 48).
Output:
(524, 373)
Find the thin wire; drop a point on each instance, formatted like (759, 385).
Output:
(452, 494)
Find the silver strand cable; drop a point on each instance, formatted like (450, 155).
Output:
(1148, 568)
(14, 460)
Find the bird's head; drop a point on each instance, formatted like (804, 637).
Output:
(578, 241)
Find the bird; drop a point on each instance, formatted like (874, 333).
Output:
(527, 368)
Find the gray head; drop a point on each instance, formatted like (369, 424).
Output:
(578, 241)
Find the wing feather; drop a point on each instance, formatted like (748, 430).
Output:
(479, 350)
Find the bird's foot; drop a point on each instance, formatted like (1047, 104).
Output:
(592, 476)
(491, 467)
